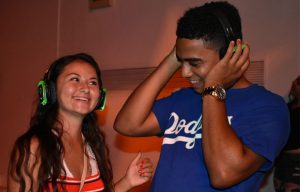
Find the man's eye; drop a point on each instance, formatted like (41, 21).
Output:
(194, 64)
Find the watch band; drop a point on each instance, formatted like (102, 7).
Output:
(217, 91)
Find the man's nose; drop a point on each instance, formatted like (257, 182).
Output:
(186, 70)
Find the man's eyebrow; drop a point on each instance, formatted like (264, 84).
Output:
(189, 59)
(193, 59)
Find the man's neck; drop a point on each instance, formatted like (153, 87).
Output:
(242, 83)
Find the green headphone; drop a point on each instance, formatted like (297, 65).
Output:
(42, 92)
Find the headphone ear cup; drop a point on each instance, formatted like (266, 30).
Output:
(42, 91)
(47, 93)
(222, 52)
(102, 100)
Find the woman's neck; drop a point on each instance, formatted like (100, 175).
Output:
(72, 136)
(71, 126)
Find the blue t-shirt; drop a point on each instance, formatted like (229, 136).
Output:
(259, 118)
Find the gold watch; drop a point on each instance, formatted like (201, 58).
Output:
(218, 91)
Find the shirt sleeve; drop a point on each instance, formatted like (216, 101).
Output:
(266, 131)
(163, 107)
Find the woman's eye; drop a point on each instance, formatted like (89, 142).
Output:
(94, 83)
(74, 79)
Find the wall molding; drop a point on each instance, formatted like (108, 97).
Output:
(129, 79)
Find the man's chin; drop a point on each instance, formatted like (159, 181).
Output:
(198, 89)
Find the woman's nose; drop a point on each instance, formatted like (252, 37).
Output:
(84, 87)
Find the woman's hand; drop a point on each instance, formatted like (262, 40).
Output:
(139, 172)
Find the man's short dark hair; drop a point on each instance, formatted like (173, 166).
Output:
(203, 23)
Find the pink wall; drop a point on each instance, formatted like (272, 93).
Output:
(28, 43)
(130, 34)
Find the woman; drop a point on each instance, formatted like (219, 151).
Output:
(287, 169)
(64, 149)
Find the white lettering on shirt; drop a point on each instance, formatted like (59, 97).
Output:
(190, 129)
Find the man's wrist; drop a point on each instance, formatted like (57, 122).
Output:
(210, 83)
(215, 90)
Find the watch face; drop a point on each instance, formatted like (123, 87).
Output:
(216, 91)
(221, 93)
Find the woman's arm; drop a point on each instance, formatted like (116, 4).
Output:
(24, 173)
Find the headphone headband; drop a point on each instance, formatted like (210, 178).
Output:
(224, 23)
(226, 26)
(47, 91)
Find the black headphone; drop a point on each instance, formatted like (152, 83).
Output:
(47, 92)
(227, 28)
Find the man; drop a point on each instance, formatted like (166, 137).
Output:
(224, 132)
